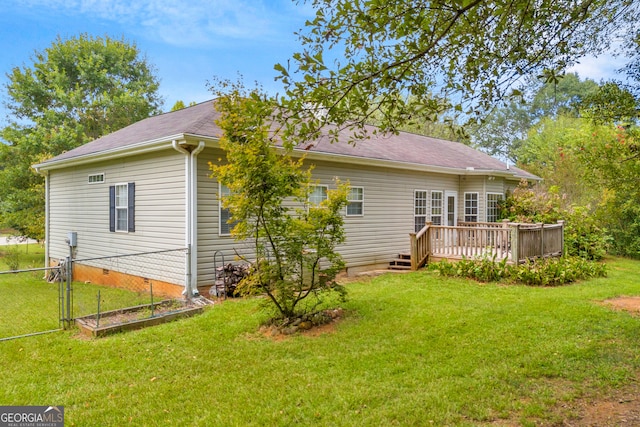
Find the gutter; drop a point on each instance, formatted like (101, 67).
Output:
(191, 214)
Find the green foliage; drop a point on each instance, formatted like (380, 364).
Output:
(76, 90)
(540, 272)
(583, 233)
(294, 242)
(557, 271)
(408, 59)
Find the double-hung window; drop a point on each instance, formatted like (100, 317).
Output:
(471, 207)
(493, 206)
(419, 209)
(436, 207)
(355, 201)
(122, 207)
(226, 222)
(317, 194)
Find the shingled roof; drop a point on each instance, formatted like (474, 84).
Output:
(199, 121)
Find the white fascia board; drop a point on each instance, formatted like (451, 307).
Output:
(353, 160)
(129, 150)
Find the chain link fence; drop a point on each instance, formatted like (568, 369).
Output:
(31, 301)
(41, 300)
(127, 280)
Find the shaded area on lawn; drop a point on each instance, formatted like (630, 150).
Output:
(411, 349)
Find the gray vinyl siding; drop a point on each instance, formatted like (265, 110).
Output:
(373, 239)
(209, 239)
(78, 206)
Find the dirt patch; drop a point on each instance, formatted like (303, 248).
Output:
(326, 324)
(620, 407)
(630, 304)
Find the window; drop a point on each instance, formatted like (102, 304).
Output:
(493, 206)
(471, 207)
(97, 178)
(419, 209)
(355, 201)
(122, 207)
(317, 194)
(226, 224)
(436, 207)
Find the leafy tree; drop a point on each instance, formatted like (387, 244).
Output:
(611, 103)
(614, 159)
(584, 235)
(413, 60)
(76, 90)
(506, 128)
(179, 105)
(295, 259)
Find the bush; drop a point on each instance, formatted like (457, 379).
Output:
(583, 237)
(11, 257)
(540, 272)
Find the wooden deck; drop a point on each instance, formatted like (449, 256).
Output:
(500, 240)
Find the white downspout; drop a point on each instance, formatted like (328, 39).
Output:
(187, 212)
(191, 213)
(194, 216)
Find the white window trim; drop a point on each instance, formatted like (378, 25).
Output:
(442, 201)
(477, 214)
(486, 211)
(427, 201)
(311, 189)
(220, 208)
(361, 201)
(102, 181)
(125, 208)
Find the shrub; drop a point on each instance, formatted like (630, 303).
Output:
(540, 272)
(11, 257)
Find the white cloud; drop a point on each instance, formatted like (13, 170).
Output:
(193, 23)
(603, 67)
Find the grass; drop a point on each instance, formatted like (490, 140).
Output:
(29, 304)
(414, 349)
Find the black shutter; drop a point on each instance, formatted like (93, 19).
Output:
(132, 207)
(112, 208)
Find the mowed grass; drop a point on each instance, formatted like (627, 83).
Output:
(28, 304)
(413, 349)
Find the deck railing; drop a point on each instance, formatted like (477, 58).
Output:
(502, 240)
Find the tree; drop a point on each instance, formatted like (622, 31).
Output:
(505, 129)
(179, 105)
(293, 240)
(75, 91)
(414, 60)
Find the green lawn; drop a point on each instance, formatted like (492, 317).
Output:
(413, 349)
(29, 304)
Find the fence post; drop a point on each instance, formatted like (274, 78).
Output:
(515, 243)
(561, 222)
(69, 278)
(541, 224)
(189, 290)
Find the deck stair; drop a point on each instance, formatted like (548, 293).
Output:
(402, 262)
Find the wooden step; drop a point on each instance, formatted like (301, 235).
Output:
(403, 262)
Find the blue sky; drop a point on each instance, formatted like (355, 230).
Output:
(188, 41)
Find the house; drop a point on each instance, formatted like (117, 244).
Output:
(147, 188)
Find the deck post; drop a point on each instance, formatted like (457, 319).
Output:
(414, 251)
(541, 225)
(515, 241)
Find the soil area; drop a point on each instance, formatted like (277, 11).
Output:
(619, 408)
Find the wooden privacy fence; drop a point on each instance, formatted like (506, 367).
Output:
(515, 242)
